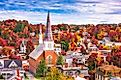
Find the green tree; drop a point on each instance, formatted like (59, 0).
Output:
(64, 45)
(1, 77)
(19, 27)
(60, 60)
(76, 28)
(5, 36)
(62, 28)
(25, 35)
(42, 69)
(30, 29)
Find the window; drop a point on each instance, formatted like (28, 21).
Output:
(79, 60)
(49, 45)
(49, 59)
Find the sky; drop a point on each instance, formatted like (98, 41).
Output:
(62, 11)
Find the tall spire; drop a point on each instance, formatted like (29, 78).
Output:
(40, 36)
(48, 33)
(48, 39)
(48, 17)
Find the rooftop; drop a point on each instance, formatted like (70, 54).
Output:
(110, 68)
(37, 51)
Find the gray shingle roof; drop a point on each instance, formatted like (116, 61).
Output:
(37, 51)
(8, 62)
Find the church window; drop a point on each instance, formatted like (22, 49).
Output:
(49, 58)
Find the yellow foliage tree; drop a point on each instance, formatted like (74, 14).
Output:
(55, 74)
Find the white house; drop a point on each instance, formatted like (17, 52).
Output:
(10, 74)
(57, 48)
(79, 78)
(22, 47)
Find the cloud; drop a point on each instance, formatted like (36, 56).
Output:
(40, 17)
(62, 11)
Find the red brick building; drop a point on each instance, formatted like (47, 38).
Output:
(45, 49)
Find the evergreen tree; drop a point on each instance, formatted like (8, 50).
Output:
(65, 45)
(60, 60)
(19, 27)
(42, 68)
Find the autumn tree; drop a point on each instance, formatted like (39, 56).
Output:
(55, 74)
(30, 47)
(92, 62)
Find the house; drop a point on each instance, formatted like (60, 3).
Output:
(25, 65)
(9, 74)
(57, 48)
(106, 39)
(45, 50)
(115, 78)
(82, 70)
(105, 72)
(11, 69)
(110, 44)
(79, 78)
(75, 59)
(93, 48)
(22, 47)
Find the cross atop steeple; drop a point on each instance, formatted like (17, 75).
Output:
(48, 32)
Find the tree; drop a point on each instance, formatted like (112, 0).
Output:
(62, 28)
(1, 77)
(5, 36)
(92, 62)
(42, 68)
(3, 42)
(76, 28)
(29, 46)
(60, 60)
(65, 45)
(55, 74)
(19, 27)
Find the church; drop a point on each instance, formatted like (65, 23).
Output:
(45, 49)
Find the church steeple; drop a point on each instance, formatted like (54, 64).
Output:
(48, 32)
(48, 17)
(40, 36)
(48, 39)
